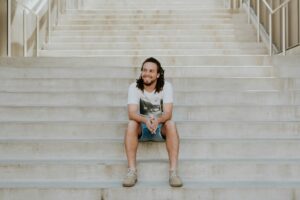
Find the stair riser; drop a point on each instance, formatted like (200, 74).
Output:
(156, 192)
(88, 53)
(152, 27)
(149, 16)
(163, 40)
(201, 113)
(132, 72)
(265, 149)
(287, 71)
(152, 21)
(83, 171)
(218, 46)
(94, 130)
(120, 99)
(186, 84)
(136, 61)
(157, 6)
(199, 33)
(133, 11)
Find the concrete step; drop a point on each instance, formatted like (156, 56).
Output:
(121, 84)
(154, 45)
(137, 16)
(157, 6)
(150, 11)
(116, 129)
(161, 39)
(189, 170)
(214, 26)
(148, 4)
(181, 112)
(136, 61)
(120, 98)
(96, 21)
(150, 32)
(90, 190)
(114, 149)
(134, 72)
(287, 72)
(152, 52)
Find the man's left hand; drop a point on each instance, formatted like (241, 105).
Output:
(154, 124)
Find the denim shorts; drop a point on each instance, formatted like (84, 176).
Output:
(146, 135)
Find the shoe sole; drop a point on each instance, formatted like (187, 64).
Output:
(131, 185)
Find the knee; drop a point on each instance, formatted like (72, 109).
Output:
(132, 124)
(132, 127)
(170, 124)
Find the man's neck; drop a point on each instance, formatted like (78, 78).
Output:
(150, 88)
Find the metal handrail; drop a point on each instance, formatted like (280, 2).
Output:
(25, 30)
(9, 29)
(271, 12)
(275, 10)
(27, 9)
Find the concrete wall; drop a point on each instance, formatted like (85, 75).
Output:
(294, 51)
(3, 27)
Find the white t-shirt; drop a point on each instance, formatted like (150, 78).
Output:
(150, 103)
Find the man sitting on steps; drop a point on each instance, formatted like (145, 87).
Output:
(152, 96)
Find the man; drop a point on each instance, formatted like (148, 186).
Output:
(150, 106)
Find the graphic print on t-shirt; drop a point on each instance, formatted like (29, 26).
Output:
(151, 108)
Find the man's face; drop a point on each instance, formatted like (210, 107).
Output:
(149, 73)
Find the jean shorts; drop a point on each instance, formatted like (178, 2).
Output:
(146, 135)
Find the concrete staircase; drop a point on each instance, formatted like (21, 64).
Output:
(156, 29)
(62, 123)
(62, 119)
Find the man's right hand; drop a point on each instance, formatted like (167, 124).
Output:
(150, 125)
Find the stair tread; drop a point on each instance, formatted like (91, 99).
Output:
(150, 185)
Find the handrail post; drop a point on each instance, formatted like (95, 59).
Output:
(287, 25)
(57, 12)
(58, 8)
(24, 34)
(270, 32)
(258, 20)
(49, 19)
(249, 5)
(283, 30)
(9, 29)
(37, 35)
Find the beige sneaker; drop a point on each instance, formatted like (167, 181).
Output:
(130, 178)
(175, 180)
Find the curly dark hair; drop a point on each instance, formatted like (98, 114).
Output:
(161, 79)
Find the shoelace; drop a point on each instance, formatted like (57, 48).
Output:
(131, 172)
(173, 174)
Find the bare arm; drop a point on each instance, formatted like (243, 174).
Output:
(133, 115)
(167, 114)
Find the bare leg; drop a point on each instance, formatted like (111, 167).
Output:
(131, 142)
(172, 142)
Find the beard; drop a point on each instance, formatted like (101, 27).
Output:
(148, 83)
(147, 80)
